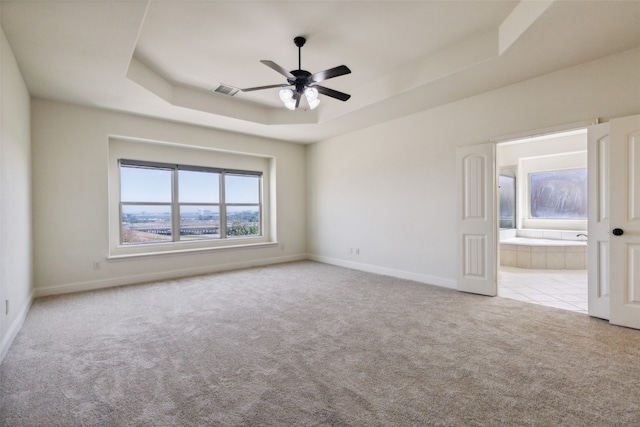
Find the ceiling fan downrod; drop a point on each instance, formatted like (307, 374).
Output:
(299, 41)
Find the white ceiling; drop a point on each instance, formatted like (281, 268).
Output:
(163, 58)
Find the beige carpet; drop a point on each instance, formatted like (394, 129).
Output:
(306, 344)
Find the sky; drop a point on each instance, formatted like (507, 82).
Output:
(154, 185)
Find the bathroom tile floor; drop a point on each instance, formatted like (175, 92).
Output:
(566, 289)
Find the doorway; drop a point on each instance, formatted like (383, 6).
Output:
(543, 206)
(613, 220)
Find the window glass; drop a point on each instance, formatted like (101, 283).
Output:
(199, 222)
(198, 187)
(558, 194)
(507, 201)
(139, 184)
(242, 189)
(146, 224)
(243, 221)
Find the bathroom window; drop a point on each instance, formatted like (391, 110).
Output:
(558, 194)
(507, 193)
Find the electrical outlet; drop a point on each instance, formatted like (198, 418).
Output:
(357, 251)
(97, 265)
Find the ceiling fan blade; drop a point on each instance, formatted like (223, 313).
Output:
(279, 69)
(340, 70)
(332, 93)
(251, 89)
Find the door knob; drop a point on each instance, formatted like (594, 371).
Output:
(617, 232)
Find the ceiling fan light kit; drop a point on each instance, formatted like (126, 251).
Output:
(303, 82)
(312, 97)
(286, 96)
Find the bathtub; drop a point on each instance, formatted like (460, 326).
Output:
(543, 254)
(528, 241)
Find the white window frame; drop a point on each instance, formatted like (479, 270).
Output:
(155, 152)
(175, 198)
(550, 163)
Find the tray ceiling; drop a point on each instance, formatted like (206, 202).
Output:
(163, 58)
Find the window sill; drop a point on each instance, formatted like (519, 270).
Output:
(120, 257)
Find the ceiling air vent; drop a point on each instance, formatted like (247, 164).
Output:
(226, 90)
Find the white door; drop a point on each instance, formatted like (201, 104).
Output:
(598, 229)
(624, 243)
(477, 222)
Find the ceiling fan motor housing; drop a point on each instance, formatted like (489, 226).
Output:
(301, 81)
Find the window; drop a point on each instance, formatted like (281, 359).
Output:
(558, 194)
(162, 203)
(507, 185)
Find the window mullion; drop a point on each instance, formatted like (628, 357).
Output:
(260, 203)
(175, 207)
(223, 208)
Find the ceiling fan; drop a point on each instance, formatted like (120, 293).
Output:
(303, 82)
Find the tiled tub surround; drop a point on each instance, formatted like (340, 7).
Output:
(543, 250)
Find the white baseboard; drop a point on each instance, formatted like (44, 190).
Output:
(151, 277)
(15, 327)
(400, 274)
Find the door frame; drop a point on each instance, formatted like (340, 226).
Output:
(525, 135)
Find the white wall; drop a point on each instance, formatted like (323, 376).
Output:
(390, 190)
(15, 198)
(71, 199)
(510, 153)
